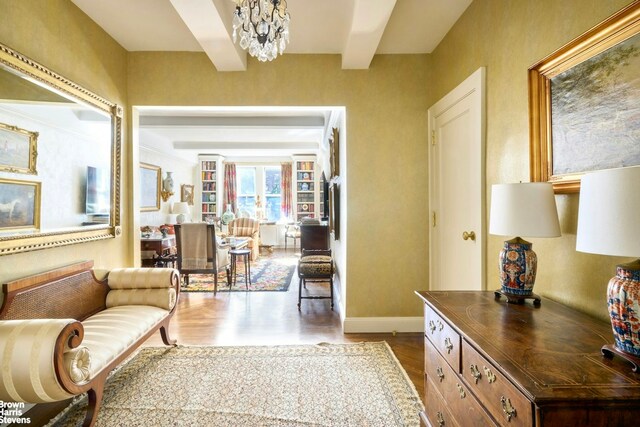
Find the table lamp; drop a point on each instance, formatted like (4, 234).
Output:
(608, 225)
(524, 209)
(182, 209)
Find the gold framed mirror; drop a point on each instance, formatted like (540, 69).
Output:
(75, 165)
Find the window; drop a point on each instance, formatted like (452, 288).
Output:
(246, 179)
(263, 182)
(273, 191)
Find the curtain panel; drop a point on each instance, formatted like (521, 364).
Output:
(230, 187)
(287, 194)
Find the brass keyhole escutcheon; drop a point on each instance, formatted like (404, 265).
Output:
(469, 235)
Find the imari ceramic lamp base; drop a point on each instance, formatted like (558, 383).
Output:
(623, 296)
(518, 264)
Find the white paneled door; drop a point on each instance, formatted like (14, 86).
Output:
(456, 188)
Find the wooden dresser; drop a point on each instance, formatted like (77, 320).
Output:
(492, 363)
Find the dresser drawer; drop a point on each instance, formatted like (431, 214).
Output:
(436, 409)
(443, 337)
(497, 394)
(463, 406)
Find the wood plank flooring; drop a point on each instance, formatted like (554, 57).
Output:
(272, 318)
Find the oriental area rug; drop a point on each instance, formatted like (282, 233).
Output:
(272, 272)
(287, 386)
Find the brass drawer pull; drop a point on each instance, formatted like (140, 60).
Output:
(461, 391)
(507, 408)
(440, 418)
(440, 373)
(491, 377)
(448, 345)
(432, 326)
(475, 372)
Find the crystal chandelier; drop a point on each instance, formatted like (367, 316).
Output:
(263, 26)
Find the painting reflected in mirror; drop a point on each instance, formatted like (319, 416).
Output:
(68, 140)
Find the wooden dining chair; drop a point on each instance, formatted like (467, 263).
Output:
(199, 253)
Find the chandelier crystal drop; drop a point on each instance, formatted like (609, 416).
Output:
(263, 27)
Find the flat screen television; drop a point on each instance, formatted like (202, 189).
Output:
(97, 194)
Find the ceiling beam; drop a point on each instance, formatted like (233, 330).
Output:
(369, 20)
(207, 22)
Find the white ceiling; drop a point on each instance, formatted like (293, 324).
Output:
(355, 29)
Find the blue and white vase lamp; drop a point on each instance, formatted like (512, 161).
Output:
(608, 225)
(228, 215)
(523, 209)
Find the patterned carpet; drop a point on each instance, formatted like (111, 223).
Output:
(270, 272)
(286, 386)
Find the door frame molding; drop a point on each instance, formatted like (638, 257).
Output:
(473, 86)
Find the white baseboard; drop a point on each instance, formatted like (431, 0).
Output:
(382, 324)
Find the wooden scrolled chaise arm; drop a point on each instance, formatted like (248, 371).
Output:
(62, 366)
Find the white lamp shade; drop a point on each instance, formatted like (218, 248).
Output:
(524, 209)
(180, 208)
(609, 211)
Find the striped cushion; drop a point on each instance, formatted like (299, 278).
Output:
(110, 332)
(26, 360)
(142, 278)
(162, 298)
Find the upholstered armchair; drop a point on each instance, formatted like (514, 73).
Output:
(247, 227)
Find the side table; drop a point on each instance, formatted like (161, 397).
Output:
(244, 254)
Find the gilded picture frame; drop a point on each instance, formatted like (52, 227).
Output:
(334, 211)
(334, 153)
(186, 194)
(150, 184)
(18, 149)
(582, 102)
(19, 205)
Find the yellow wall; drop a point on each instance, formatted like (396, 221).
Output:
(58, 35)
(507, 37)
(386, 151)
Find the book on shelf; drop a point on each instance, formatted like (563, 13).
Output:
(307, 166)
(208, 175)
(208, 165)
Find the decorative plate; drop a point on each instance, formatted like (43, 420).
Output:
(305, 175)
(305, 207)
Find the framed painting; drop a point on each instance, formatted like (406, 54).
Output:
(584, 104)
(334, 211)
(150, 178)
(186, 194)
(334, 153)
(18, 149)
(19, 205)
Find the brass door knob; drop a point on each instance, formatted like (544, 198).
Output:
(469, 235)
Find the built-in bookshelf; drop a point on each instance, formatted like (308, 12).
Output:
(209, 180)
(306, 188)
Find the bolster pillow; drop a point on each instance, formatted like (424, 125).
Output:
(143, 278)
(27, 373)
(162, 298)
(77, 361)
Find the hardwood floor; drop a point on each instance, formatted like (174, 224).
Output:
(272, 318)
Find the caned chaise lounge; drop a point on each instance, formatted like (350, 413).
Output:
(63, 331)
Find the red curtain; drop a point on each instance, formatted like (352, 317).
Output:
(287, 195)
(230, 187)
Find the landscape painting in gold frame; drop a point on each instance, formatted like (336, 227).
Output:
(584, 104)
(150, 181)
(19, 205)
(18, 149)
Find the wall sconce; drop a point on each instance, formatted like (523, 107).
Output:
(167, 187)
